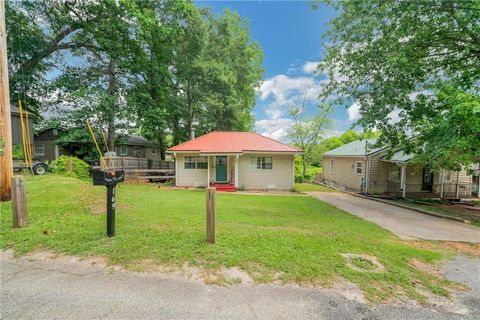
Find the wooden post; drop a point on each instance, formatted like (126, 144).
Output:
(69, 166)
(211, 215)
(19, 202)
(6, 164)
(441, 185)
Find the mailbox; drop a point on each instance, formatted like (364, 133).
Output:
(110, 180)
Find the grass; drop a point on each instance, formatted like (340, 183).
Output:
(450, 211)
(288, 238)
(305, 187)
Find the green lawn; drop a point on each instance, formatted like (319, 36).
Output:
(292, 238)
(305, 187)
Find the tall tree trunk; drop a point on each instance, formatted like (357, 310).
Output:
(163, 147)
(191, 113)
(304, 165)
(112, 92)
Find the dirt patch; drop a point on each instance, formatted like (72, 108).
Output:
(451, 304)
(458, 247)
(348, 290)
(424, 267)
(363, 262)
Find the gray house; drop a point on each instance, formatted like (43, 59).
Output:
(45, 147)
(138, 147)
(17, 127)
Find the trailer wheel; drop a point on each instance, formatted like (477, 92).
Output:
(40, 169)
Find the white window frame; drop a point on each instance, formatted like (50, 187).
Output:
(196, 161)
(332, 165)
(154, 151)
(123, 154)
(43, 149)
(445, 172)
(357, 167)
(259, 163)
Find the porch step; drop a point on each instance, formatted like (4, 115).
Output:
(221, 187)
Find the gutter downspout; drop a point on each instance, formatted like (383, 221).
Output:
(457, 191)
(403, 180)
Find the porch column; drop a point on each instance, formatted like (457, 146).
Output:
(403, 181)
(208, 171)
(176, 168)
(236, 171)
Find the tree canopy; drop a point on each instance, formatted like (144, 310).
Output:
(414, 69)
(160, 67)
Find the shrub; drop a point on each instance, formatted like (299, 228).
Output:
(298, 179)
(80, 168)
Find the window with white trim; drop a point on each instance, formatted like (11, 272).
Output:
(261, 163)
(447, 176)
(154, 151)
(123, 150)
(394, 172)
(196, 162)
(40, 149)
(358, 167)
(332, 166)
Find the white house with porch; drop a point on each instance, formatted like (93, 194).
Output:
(229, 160)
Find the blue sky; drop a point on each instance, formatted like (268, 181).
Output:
(290, 34)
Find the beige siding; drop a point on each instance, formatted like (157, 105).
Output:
(279, 177)
(378, 173)
(344, 174)
(189, 177)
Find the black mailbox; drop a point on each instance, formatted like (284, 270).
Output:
(104, 178)
(110, 180)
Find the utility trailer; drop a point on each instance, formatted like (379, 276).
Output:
(39, 168)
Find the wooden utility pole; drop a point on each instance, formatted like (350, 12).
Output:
(211, 215)
(6, 166)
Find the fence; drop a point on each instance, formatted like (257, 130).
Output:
(141, 168)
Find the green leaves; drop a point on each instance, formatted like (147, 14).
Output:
(398, 58)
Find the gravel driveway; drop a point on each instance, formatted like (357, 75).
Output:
(407, 224)
(70, 289)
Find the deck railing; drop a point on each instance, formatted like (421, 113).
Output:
(141, 168)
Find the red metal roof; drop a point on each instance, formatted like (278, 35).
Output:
(233, 142)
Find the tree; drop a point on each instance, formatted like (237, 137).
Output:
(409, 65)
(308, 131)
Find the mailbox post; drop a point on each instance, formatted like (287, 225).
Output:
(110, 180)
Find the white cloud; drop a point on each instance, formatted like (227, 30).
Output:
(354, 112)
(310, 66)
(277, 129)
(282, 88)
(394, 116)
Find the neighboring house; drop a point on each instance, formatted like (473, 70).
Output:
(17, 125)
(137, 146)
(229, 160)
(357, 166)
(45, 147)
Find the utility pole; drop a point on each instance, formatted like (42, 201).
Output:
(6, 166)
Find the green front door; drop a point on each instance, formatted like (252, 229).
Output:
(221, 169)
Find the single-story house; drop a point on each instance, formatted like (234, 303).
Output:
(358, 166)
(229, 160)
(45, 146)
(138, 147)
